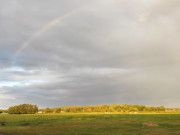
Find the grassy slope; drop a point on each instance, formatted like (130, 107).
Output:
(90, 124)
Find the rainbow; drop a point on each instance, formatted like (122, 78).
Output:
(49, 25)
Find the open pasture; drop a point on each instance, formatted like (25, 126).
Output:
(90, 124)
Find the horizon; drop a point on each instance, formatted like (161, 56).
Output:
(92, 105)
(84, 52)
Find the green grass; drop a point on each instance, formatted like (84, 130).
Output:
(90, 124)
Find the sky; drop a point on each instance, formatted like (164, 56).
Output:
(57, 53)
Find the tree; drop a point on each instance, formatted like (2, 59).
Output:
(23, 109)
(58, 110)
(48, 110)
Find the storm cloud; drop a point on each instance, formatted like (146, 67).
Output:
(99, 52)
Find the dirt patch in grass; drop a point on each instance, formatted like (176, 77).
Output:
(2, 123)
(150, 124)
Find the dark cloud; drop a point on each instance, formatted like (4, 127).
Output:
(108, 52)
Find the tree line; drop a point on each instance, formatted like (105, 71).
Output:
(23, 109)
(114, 108)
(122, 108)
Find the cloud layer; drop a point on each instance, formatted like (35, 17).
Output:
(119, 51)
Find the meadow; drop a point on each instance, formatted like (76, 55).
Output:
(90, 124)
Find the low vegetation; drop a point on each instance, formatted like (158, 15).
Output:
(90, 124)
(113, 119)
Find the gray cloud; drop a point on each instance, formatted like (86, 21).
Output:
(109, 52)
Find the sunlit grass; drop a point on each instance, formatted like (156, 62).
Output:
(108, 124)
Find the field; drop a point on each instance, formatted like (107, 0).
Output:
(90, 124)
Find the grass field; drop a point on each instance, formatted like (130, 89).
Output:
(90, 124)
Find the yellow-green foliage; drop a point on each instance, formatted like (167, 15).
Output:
(123, 108)
(23, 109)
